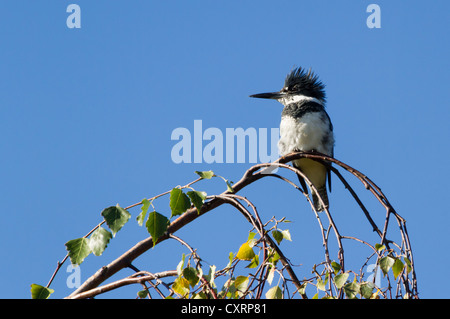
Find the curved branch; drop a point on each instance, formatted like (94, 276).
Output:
(122, 282)
(253, 174)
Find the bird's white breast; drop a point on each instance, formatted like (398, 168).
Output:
(310, 132)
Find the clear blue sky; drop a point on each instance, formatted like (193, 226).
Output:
(86, 117)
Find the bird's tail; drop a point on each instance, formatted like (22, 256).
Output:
(317, 203)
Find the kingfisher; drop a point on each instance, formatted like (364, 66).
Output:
(305, 126)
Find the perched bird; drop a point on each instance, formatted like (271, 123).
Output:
(305, 126)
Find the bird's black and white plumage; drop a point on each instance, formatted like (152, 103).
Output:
(305, 126)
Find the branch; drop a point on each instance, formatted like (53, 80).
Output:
(252, 175)
(123, 282)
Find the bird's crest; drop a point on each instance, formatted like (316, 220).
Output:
(304, 82)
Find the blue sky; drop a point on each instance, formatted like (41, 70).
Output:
(86, 117)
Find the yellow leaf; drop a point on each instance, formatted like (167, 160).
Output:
(245, 252)
(181, 286)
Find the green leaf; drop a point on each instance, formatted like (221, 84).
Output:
(397, 268)
(274, 293)
(386, 263)
(230, 259)
(197, 198)
(245, 252)
(277, 235)
(251, 236)
(408, 264)
(351, 289)
(340, 280)
(191, 274)
(205, 174)
(321, 283)
(78, 250)
(156, 225)
(200, 295)
(181, 286)
(115, 217)
(254, 263)
(379, 247)
(40, 292)
(141, 217)
(367, 289)
(142, 294)
(179, 202)
(241, 283)
(99, 240)
(274, 257)
(336, 267)
(230, 289)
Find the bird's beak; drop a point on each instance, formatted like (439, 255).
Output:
(272, 95)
